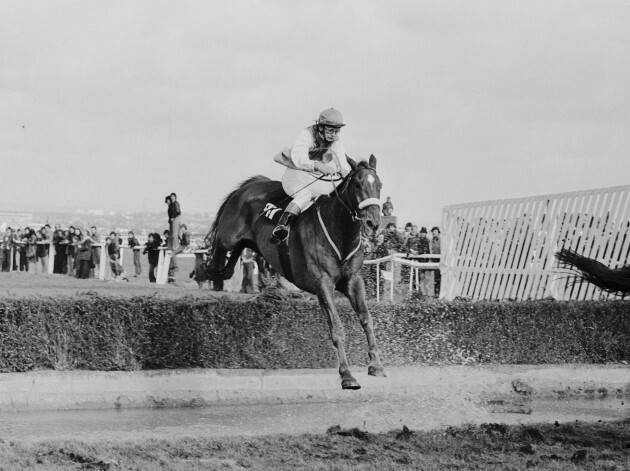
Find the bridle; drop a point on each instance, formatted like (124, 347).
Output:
(363, 204)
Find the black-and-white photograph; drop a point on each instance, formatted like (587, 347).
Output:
(314, 235)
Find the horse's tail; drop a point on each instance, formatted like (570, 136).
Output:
(211, 236)
(615, 280)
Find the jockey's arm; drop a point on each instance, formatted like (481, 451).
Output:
(299, 151)
(300, 155)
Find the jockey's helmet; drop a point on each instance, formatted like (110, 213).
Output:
(330, 117)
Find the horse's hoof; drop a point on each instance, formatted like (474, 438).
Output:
(350, 384)
(378, 371)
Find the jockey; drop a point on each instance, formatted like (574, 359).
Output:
(315, 165)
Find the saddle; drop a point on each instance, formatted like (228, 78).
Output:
(277, 202)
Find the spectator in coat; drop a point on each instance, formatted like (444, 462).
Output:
(182, 244)
(406, 234)
(31, 250)
(388, 207)
(95, 252)
(61, 251)
(435, 249)
(21, 241)
(391, 239)
(6, 244)
(417, 244)
(71, 249)
(43, 248)
(426, 276)
(248, 261)
(113, 254)
(132, 242)
(174, 213)
(152, 249)
(84, 254)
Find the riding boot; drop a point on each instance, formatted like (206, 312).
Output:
(281, 231)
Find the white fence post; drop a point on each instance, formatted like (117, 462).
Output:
(102, 266)
(158, 270)
(164, 263)
(51, 258)
(391, 283)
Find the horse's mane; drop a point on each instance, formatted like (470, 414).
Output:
(212, 233)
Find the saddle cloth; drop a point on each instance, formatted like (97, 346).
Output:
(276, 205)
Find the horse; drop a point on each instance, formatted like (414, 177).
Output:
(325, 247)
(611, 280)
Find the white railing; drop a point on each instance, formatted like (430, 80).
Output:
(403, 260)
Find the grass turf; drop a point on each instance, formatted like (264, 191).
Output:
(600, 446)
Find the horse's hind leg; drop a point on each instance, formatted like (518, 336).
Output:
(215, 268)
(327, 302)
(228, 269)
(355, 291)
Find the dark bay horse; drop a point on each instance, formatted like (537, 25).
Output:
(324, 246)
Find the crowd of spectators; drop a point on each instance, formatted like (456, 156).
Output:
(77, 251)
(410, 242)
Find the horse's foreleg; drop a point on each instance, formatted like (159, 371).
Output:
(355, 291)
(327, 302)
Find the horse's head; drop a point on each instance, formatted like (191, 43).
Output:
(364, 193)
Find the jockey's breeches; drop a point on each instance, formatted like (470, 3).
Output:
(294, 183)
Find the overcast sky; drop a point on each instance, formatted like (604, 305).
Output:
(114, 104)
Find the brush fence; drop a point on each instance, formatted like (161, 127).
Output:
(504, 249)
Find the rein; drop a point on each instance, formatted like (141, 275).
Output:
(353, 214)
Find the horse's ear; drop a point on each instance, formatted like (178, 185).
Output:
(372, 161)
(353, 164)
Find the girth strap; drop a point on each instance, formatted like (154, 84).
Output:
(332, 244)
(285, 259)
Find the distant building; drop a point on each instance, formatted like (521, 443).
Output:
(13, 218)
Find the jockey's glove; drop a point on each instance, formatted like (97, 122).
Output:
(325, 169)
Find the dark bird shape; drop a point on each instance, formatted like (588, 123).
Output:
(612, 280)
